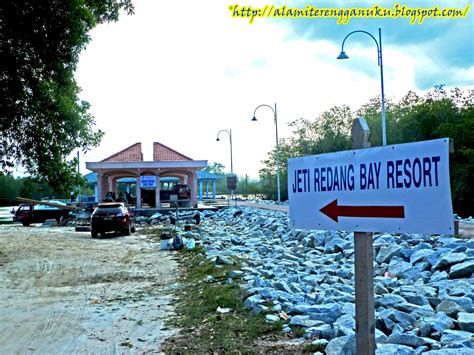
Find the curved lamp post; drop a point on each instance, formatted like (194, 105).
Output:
(229, 132)
(277, 146)
(343, 55)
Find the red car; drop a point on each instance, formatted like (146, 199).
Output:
(183, 191)
(112, 217)
(27, 214)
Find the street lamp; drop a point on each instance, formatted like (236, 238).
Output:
(343, 55)
(229, 132)
(277, 146)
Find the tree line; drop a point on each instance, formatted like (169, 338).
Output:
(437, 114)
(30, 187)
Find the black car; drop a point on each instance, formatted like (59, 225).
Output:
(112, 216)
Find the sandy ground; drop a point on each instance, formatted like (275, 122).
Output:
(62, 292)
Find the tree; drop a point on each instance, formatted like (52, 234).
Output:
(215, 168)
(9, 189)
(437, 115)
(249, 187)
(329, 132)
(41, 119)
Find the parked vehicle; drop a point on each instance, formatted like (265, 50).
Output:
(112, 217)
(183, 192)
(83, 220)
(29, 213)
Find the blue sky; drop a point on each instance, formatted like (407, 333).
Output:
(448, 42)
(178, 72)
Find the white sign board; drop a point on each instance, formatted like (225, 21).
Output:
(396, 188)
(148, 181)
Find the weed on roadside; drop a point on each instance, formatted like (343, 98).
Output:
(203, 328)
(156, 231)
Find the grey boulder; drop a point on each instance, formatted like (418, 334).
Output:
(394, 349)
(344, 345)
(466, 321)
(465, 269)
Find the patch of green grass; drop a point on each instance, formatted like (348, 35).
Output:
(127, 344)
(203, 327)
(157, 230)
(198, 251)
(298, 331)
(313, 348)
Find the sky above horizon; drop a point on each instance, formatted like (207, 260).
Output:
(178, 72)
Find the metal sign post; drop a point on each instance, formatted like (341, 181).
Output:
(231, 185)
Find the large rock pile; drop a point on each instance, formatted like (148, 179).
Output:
(424, 289)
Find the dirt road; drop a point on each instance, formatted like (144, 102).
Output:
(62, 292)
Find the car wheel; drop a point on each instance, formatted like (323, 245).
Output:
(94, 233)
(25, 223)
(128, 230)
(133, 230)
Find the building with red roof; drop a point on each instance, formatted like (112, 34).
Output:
(129, 163)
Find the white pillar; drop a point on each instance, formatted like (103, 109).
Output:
(99, 189)
(105, 182)
(114, 185)
(200, 190)
(157, 192)
(109, 184)
(138, 193)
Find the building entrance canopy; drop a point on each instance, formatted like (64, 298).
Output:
(129, 163)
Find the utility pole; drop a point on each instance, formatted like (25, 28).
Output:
(79, 187)
(247, 185)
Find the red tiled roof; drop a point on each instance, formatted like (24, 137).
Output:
(162, 152)
(132, 153)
